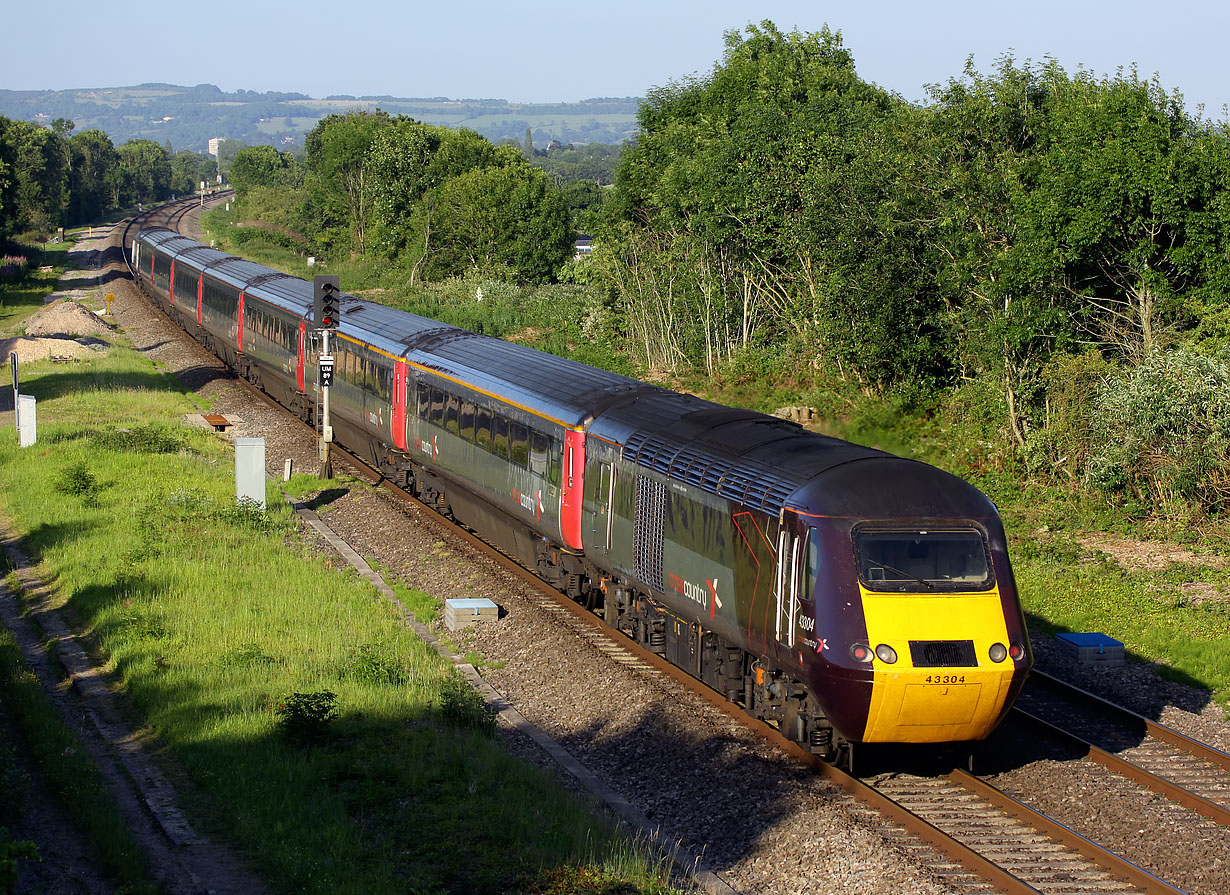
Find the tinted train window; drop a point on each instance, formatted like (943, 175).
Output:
(811, 563)
(540, 444)
(920, 561)
(482, 428)
(451, 412)
(424, 401)
(499, 435)
(467, 420)
(519, 443)
(437, 407)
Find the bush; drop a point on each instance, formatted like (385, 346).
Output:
(305, 717)
(1162, 435)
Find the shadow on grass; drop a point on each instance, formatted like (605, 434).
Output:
(419, 797)
(57, 384)
(54, 534)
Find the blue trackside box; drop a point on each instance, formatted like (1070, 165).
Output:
(1091, 649)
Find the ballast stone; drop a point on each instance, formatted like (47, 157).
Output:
(1091, 648)
(462, 613)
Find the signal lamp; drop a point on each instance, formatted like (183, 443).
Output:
(1016, 650)
(860, 652)
(326, 295)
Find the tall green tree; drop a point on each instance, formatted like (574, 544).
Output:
(8, 179)
(510, 216)
(261, 166)
(95, 180)
(337, 153)
(42, 166)
(145, 171)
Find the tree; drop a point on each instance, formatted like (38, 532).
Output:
(188, 169)
(8, 179)
(407, 160)
(145, 171)
(337, 163)
(772, 189)
(509, 216)
(42, 166)
(95, 179)
(259, 166)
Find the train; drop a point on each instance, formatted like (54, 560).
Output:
(840, 593)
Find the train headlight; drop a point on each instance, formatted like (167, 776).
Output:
(886, 653)
(998, 652)
(860, 652)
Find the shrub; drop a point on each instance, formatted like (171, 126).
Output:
(78, 481)
(1162, 434)
(305, 717)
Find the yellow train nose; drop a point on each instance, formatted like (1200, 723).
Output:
(945, 684)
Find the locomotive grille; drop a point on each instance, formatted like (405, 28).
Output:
(650, 508)
(943, 654)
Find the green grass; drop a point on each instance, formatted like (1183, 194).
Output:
(215, 616)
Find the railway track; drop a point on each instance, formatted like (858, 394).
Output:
(976, 837)
(1186, 771)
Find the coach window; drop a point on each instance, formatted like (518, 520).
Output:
(437, 407)
(811, 563)
(424, 400)
(482, 428)
(499, 435)
(451, 411)
(518, 443)
(539, 446)
(384, 381)
(467, 420)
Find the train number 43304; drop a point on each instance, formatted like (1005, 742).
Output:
(945, 679)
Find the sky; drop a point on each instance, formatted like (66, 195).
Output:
(552, 51)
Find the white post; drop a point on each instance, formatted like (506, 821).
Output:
(27, 430)
(250, 470)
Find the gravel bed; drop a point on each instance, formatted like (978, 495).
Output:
(762, 823)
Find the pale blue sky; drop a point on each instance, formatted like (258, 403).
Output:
(550, 51)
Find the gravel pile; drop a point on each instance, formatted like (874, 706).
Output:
(65, 318)
(764, 825)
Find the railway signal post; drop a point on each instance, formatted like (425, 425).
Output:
(326, 292)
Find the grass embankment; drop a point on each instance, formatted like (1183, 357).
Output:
(336, 747)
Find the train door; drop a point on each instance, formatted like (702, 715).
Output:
(401, 374)
(300, 356)
(599, 490)
(786, 584)
(171, 285)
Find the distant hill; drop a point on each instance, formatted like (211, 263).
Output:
(188, 117)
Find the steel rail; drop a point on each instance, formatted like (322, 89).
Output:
(1176, 793)
(1090, 850)
(1153, 728)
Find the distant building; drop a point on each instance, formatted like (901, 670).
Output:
(213, 146)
